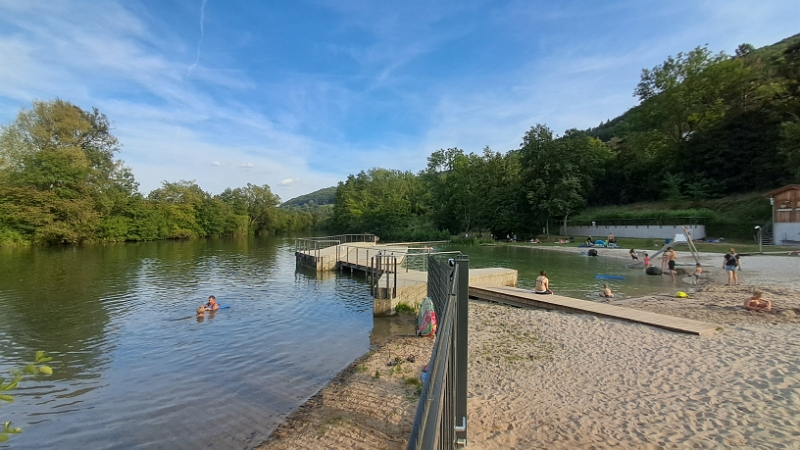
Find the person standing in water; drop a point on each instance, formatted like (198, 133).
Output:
(670, 256)
(542, 284)
(212, 304)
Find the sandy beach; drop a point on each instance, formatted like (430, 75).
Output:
(552, 380)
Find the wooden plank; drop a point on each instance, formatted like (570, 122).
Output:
(523, 298)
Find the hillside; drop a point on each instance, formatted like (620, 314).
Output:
(317, 198)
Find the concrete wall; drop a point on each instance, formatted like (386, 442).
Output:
(785, 232)
(634, 231)
(412, 295)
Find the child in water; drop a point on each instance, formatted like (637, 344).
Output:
(646, 261)
(607, 292)
(201, 310)
(756, 303)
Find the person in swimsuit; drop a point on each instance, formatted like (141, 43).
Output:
(698, 270)
(212, 304)
(634, 256)
(756, 303)
(201, 310)
(542, 284)
(646, 261)
(670, 256)
(607, 292)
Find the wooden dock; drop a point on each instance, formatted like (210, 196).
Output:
(527, 299)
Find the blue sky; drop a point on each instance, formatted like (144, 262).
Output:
(299, 94)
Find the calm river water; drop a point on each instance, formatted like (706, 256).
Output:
(134, 368)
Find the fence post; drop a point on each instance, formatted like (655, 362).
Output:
(461, 330)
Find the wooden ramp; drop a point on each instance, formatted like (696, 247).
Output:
(526, 299)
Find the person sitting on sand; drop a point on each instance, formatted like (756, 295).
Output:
(589, 241)
(646, 261)
(634, 256)
(611, 239)
(607, 292)
(698, 270)
(542, 284)
(212, 304)
(756, 303)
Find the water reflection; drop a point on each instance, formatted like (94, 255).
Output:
(130, 361)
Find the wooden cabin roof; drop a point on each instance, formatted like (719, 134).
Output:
(779, 190)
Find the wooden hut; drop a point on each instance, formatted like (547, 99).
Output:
(786, 214)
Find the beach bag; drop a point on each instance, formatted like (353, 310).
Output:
(426, 320)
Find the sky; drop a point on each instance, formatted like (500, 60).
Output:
(299, 94)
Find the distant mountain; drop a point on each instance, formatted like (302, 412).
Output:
(317, 198)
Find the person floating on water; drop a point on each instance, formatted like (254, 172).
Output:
(756, 303)
(212, 304)
(542, 284)
(607, 292)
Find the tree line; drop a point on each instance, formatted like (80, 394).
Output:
(61, 183)
(707, 126)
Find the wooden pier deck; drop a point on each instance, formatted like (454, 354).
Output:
(526, 299)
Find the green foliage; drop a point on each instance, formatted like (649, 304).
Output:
(403, 307)
(37, 368)
(61, 184)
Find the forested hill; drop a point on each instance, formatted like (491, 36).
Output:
(708, 125)
(317, 198)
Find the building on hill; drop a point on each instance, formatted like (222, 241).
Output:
(786, 214)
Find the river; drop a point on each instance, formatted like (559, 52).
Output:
(134, 367)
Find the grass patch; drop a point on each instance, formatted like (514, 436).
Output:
(361, 368)
(403, 307)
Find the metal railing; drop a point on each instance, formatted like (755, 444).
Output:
(441, 418)
(313, 242)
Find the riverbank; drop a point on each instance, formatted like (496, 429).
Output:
(369, 405)
(544, 379)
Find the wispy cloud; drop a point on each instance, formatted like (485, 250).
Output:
(330, 88)
(200, 40)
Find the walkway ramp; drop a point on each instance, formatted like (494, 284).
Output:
(526, 299)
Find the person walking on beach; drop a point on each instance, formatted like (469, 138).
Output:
(542, 284)
(669, 257)
(731, 264)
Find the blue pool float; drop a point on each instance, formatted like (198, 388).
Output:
(608, 277)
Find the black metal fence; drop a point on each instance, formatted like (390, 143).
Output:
(441, 418)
